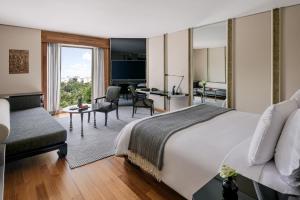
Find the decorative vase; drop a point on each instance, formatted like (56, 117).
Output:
(79, 102)
(230, 189)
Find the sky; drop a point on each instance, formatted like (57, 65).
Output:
(76, 62)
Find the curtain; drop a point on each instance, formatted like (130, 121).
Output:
(98, 89)
(53, 69)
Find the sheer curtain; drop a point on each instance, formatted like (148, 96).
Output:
(53, 67)
(98, 89)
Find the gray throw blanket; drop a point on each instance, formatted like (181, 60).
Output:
(148, 137)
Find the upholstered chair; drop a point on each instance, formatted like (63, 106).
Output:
(110, 102)
(140, 101)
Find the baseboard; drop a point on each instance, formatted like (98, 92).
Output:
(159, 110)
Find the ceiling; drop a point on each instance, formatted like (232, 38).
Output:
(127, 18)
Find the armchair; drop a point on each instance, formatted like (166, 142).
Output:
(110, 103)
(140, 101)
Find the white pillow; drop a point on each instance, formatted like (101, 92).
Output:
(268, 130)
(287, 153)
(296, 97)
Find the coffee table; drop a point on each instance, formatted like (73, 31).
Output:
(90, 109)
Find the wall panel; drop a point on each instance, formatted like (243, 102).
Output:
(156, 68)
(290, 52)
(252, 62)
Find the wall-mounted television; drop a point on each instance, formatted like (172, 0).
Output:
(128, 59)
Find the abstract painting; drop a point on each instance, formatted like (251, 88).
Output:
(18, 61)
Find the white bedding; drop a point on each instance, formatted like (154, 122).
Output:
(193, 156)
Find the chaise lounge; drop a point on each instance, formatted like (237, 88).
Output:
(32, 129)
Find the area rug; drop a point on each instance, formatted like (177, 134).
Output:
(97, 143)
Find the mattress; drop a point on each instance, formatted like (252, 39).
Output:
(192, 157)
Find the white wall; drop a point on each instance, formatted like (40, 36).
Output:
(22, 39)
(252, 62)
(290, 51)
(156, 68)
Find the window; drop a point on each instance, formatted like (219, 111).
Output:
(76, 75)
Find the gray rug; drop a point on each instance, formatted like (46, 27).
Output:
(97, 143)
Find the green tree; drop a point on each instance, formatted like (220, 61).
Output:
(72, 90)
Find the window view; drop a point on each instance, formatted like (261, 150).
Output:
(76, 79)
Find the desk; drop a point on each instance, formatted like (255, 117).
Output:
(168, 95)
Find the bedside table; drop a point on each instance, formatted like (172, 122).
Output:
(248, 190)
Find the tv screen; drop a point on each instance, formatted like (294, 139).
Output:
(126, 69)
(128, 49)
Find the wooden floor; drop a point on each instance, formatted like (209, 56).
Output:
(47, 177)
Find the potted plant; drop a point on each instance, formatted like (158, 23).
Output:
(230, 188)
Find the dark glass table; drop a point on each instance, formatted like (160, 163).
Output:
(75, 110)
(248, 190)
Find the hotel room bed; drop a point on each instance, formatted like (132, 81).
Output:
(193, 155)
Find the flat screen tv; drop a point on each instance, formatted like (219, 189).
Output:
(128, 59)
(128, 69)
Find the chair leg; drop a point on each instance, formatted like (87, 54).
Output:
(132, 111)
(117, 112)
(89, 117)
(151, 111)
(105, 118)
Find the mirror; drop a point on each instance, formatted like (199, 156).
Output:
(209, 64)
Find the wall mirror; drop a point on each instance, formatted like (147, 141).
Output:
(209, 64)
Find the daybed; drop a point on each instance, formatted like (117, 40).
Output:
(32, 129)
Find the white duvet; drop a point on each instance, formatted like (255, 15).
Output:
(193, 156)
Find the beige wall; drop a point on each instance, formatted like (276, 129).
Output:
(216, 65)
(156, 68)
(178, 59)
(178, 64)
(199, 64)
(23, 39)
(209, 64)
(290, 51)
(252, 62)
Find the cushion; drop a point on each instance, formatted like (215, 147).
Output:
(268, 130)
(24, 102)
(32, 129)
(296, 97)
(287, 153)
(4, 119)
(105, 107)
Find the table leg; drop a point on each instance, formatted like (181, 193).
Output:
(81, 116)
(215, 95)
(169, 99)
(94, 119)
(71, 124)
